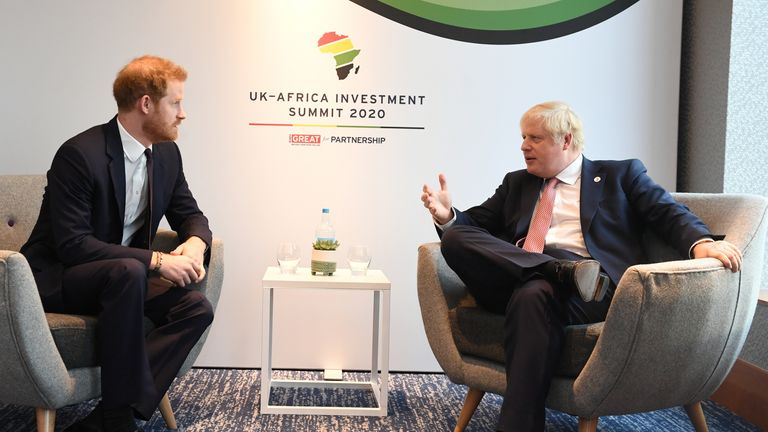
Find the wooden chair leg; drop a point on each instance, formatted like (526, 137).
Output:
(588, 424)
(696, 414)
(470, 405)
(167, 412)
(46, 419)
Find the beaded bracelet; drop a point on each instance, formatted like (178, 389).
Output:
(159, 262)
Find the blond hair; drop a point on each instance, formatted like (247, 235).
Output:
(559, 120)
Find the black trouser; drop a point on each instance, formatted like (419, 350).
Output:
(136, 369)
(505, 279)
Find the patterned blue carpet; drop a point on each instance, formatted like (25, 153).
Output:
(228, 400)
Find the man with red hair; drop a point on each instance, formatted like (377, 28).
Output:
(90, 251)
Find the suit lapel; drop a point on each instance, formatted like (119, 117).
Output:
(157, 170)
(529, 194)
(116, 164)
(592, 181)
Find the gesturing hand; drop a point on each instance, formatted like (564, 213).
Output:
(438, 202)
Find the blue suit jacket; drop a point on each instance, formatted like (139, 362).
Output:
(619, 201)
(81, 218)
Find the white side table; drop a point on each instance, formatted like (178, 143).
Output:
(375, 281)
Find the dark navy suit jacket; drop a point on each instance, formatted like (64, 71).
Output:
(619, 201)
(81, 218)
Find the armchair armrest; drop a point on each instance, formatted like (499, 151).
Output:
(439, 291)
(672, 333)
(33, 372)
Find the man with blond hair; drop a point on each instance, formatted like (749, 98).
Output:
(90, 251)
(547, 249)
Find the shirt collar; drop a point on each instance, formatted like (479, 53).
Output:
(132, 148)
(572, 172)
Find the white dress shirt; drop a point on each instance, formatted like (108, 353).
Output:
(565, 230)
(136, 193)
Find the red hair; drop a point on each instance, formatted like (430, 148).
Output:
(145, 75)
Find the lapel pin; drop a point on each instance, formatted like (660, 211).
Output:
(597, 179)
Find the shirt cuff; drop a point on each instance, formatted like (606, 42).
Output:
(703, 240)
(448, 224)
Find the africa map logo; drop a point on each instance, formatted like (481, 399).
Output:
(340, 46)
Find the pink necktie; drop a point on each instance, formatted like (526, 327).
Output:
(534, 241)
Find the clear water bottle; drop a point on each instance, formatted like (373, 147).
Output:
(325, 230)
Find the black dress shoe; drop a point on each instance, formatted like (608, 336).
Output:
(119, 420)
(584, 276)
(90, 423)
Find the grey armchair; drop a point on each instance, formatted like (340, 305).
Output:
(48, 360)
(672, 333)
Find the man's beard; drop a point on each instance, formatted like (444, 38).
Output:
(157, 131)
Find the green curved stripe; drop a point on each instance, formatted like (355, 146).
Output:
(510, 18)
(491, 5)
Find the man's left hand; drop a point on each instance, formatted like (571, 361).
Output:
(193, 248)
(726, 252)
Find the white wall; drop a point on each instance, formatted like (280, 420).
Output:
(60, 59)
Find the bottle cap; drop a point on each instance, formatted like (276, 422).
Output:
(325, 210)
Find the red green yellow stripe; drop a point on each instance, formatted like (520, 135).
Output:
(336, 126)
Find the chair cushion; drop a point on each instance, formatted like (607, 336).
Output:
(75, 338)
(480, 333)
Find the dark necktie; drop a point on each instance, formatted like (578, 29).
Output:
(542, 219)
(148, 213)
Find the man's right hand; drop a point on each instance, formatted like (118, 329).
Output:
(180, 269)
(438, 202)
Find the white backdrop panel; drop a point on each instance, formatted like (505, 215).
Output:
(258, 190)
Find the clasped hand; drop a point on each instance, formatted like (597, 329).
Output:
(184, 265)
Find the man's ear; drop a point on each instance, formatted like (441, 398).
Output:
(144, 104)
(567, 141)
